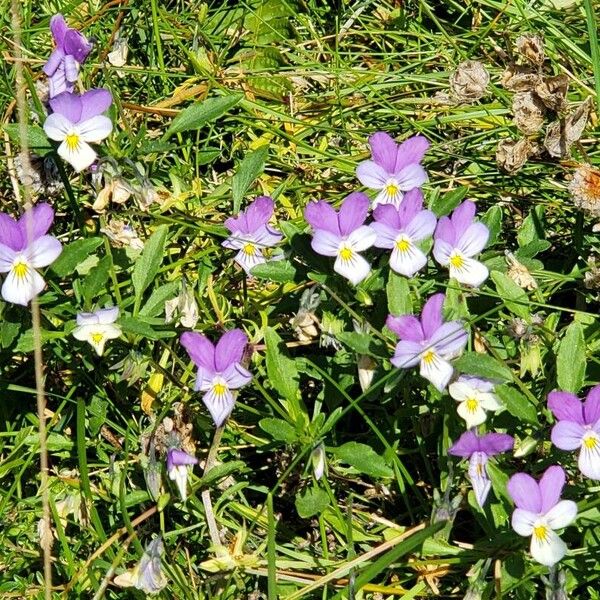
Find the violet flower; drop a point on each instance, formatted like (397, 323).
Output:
(457, 240)
(72, 48)
(540, 511)
(395, 168)
(343, 234)
(578, 427)
(97, 327)
(401, 228)
(251, 233)
(475, 396)
(25, 247)
(76, 122)
(219, 369)
(177, 469)
(478, 450)
(428, 342)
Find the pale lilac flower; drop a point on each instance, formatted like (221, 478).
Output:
(319, 461)
(400, 229)
(251, 233)
(394, 168)
(71, 49)
(478, 450)
(428, 342)
(578, 427)
(343, 234)
(177, 469)
(457, 240)
(219, 369)
(97, 327)
(475, 397)
(25, 247)
(76, 122)
(540, 511)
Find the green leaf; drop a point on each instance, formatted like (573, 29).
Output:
(97, 411)
(282, 371)
(137, 327)
(147, 264)
(279, 430)
(249, 169)
(483, 365)
(443, 205)
(156, 303)
(96, 279)
(362, 343)
(200, 113)
(363, 458)
(312, 502)
(398, 295)
(517, 404)
(36, 138)
(570, 359)
(281, 271)
(221, 471)
(492, 219)
(73, 254)
(515, 298)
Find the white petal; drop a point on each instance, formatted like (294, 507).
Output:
(471, 272)
(179, 475)
(478, 476)
(94, 129)
(589, 461)
(441, 252)
(325, 243)
(489, 401)
(362, 238)
(371, 174)
(563, 513)
(460, 390)
(411, 176)
(22, 289)
(57, 126)
(472, 417)
(86, 318)
(249, 256)
(547, 550)
(523, 521)
(106, 316)
(43, 251)
(407, 262)
(236, 376)
(80, 158)
(384, 197)
(7, 258)
(436, 369)
(97, 334)
(219, 405)
(355, 269)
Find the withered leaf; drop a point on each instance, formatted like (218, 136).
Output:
(511, 155)
(528, 112)
(519, 79)
(563, 133)
(531, 47)
(552, 91)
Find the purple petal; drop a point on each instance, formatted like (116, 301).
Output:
(567, 435)
(58, 27)
(479, 478)
(450, 339)
(566, 407)
(10, 233)
(321, 215)
(386, 235)
(421, 226)
(76, 45)
(39, 219)
(462, 217)
(388, 215)
(71, 69)
(445, 231)
(325, 243)
(353, 212)
(237, 224)
(412, 204)
(495, 443)
(465, 445)
(591, 406)
(372, 175)
(431, 316)
(474, 239)
(266, 236)
(54, 62)
(406, 327)
(236, 376)
(94, 103)
(259, 212)
(411, 177)
(525, 492)
(411, 152)
(67, 104)
(200, 349)
(551, 485)
(176, 458)
(230, 349)
(442, 251)
(384, 150)
(407, 354)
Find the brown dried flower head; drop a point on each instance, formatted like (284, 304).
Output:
(563, 133)
(585, 189)
(519, 79)
(469, 81)
(528, 111)
(552, 91)
(511, 155)
(531, 47)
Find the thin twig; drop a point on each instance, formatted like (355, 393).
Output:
(208, 509)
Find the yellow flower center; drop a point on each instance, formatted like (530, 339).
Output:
(428, 357)
(591, 442)
(97, 337)
(391, 189)
(248, 249)
(541, 533)
(72, 141)
(472, 404)
(20, 270)
(346, 253)
(402, 244)
(457, 261)
(219, 389)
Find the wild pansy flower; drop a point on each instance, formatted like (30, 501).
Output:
(78, 121)
(540, 511)
(147, 575)
(578, 427)
(394, 168)
(219, 369)
(251, 233)
(429, 342)
(97, 327)
(177, 469)
(457, 240)
(72, 48)
(342, 234)
(25, 247)
(478, 450)
(475, 397)
(401, 228)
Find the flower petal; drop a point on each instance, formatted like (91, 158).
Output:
(462, 217)
(80, 158)
(589, 461)
(200, 349)
(362, 238)
(248, 260)
(450, 339)
(478, 476)
(467, 444)
(355, 269)
(472, 416)
(58, 27)
(407, 354)
(93, 103)
(406, 327)
(10, 234)
(230, 349)
(561, 514)
(54, 62)
(551, 485)
(43, 251)
(591, 406)
(71, 68)
(95, 129)
(57, 126)
(566, 407)
(219, 405)
(384, 150)
(471, 272)
(388, 215)
(386, 235)
(407, 262)
(522, 521)
(353, 212)
(36, 221)
(266, 236)
(259, 212)
(372, 175)
(411, 176)
(437, 370)
(525, 492)
(567, 435)
(76, 45)
(495, 443)
(22, 289)
(474, 239)
(444, 232)
(412, 205)
(321, 215)
(431, 316)
(385, 198)
(68, 105)
(325, 242)
(106, 316)
(411, 151)
(421, 226)
(236, 376)
(548, 551)
(176, 458)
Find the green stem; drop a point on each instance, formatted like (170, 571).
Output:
(592, 27)
(208, 509)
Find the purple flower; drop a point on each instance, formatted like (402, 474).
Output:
(98, 327)
(250, 233)
(78, 121)
(395, 168)
(540, 511)
(475, 396)
(71, 50)
(342, 234)
(25, 247)
(428, 342)
(578, 427)
(457, 240)
(219, 369)
(177, 469)
(401, 228)
(478, 450)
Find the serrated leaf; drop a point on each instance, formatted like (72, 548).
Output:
(281, 271)
(363, 458)
(147, 264)
(199, 114)
(514, 297)
(73, 254)
(443, 205)
(517, 404)
(279, 430)
(398, 295)
(571, 359)
(248, 170)
(483, 365)
(312, 502)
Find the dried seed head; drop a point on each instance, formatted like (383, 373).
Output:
(511, 155)
(469, 81)
(531, 47)
(562, 134)
(585, 189)
(552, 91)
(591, 279)
(519, 273)
(528, 111)
(519, 79)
